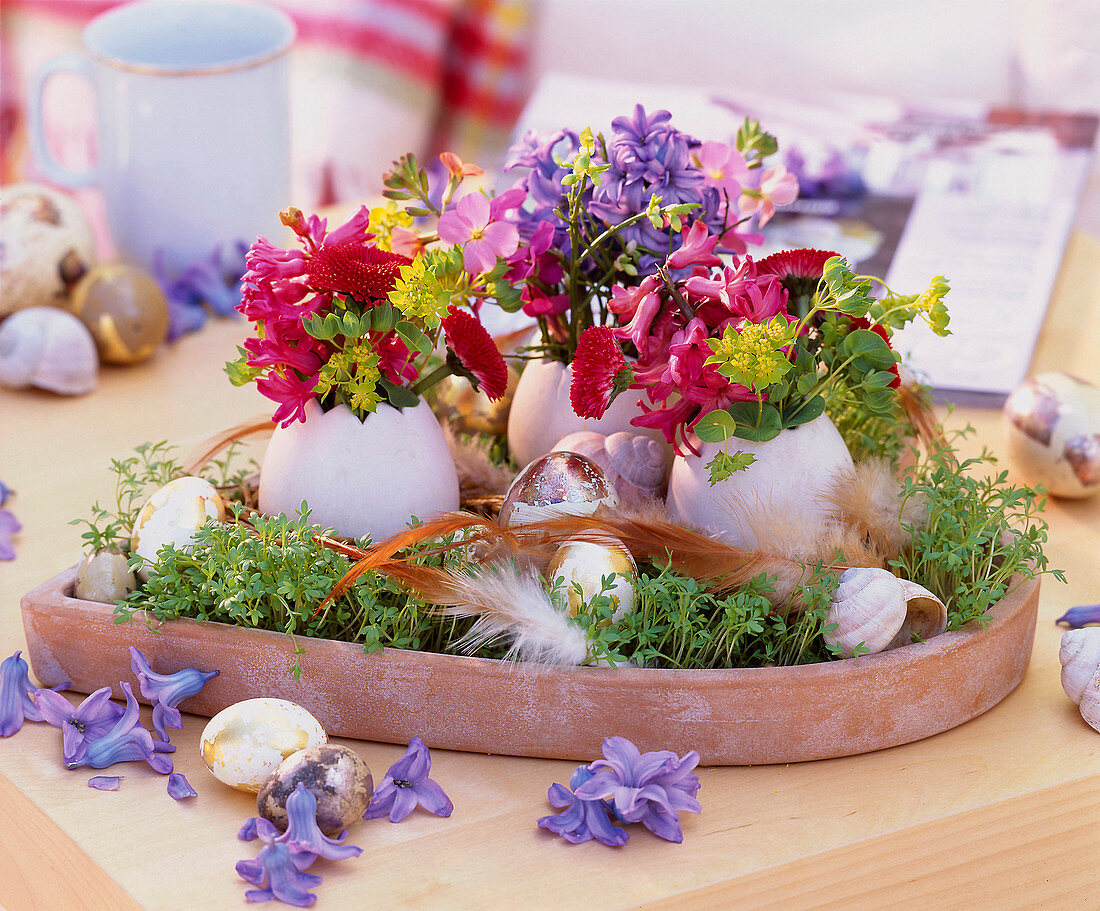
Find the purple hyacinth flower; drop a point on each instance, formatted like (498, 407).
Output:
(274, 872)
(105, 782)
(127, 741)
(92, 719)
(650, 788)
(179, 787)
(1076, 617)
(407, 784)
(16, 695)
(305, 840)
(9, 525)
(581, 820)
(166, 691)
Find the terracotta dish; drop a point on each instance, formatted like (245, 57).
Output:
(732, 717)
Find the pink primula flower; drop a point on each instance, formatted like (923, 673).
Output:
(724, 168)
(471, 224)
(777, 187)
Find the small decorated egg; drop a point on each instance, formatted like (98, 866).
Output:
(172, 516)
(557, 484)
(243, 744)
(585, 564)
(104, 576)
(124, 309)
(336, 776)
(1052, 430)
(472, 411)
(48, 245)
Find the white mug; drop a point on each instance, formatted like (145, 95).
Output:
(193, 124)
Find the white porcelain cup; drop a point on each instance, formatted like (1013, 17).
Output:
(193, 126)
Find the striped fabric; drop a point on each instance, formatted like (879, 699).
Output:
(372, 79)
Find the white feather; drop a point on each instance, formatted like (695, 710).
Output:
(513, 606)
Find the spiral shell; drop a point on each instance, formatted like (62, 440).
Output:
(1090, 703)
(49, 349)
(1080, 657)
(868, 607)
(925, 615)
(875, 608)
(637, 466)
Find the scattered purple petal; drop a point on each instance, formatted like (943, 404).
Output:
(127, 741)
(213, 282)
(9, 525)
(305, 840)
(166, 691)
(274, 871)
(5, 492)
(16, 695)
(179, 787)
(1076, 617)
(650, 788)
(581, 820)
(93, 718)
(407, 785)
(105, 782)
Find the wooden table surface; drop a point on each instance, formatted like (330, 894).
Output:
(1002, 812)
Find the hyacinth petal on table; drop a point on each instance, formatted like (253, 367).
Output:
(17, 695)
(126, 741)
(274, 872)
(95, 717)
(166, 691)
(407, 786)
(1082, 615)
(105, 782)
(303, 836)
(179, 788)
(9, 525)
(581, 820)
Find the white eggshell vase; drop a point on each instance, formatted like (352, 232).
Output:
(790, 476)
(542, 414)
(360, 477)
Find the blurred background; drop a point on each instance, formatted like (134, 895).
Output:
(374, 78)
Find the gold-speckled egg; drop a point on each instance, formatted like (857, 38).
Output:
(584, 564)
(124, 309)
(472, 411)
(243, 744)
(172, 516)
(557, 484)
(334, 774)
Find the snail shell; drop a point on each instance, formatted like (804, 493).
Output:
(1090, 703)
(925, 615)
(47, 348)
(637, 466)
(1080, 657)
(876, 608)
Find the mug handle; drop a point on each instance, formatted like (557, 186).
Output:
(50, 166)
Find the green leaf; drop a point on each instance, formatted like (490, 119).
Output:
(239, 372)
(869, 349)
(398, 396)
(723, 465)
(413, 336)
(814, 408)
(716, 427)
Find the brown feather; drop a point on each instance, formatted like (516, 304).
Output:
(211, 447)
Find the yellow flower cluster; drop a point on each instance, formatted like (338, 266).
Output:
(418, 293)
(383, 219)
(355, 371)
(930, 303)
(753, 356)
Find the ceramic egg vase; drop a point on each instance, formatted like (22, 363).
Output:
(790, 475)
(360, 477)
(541, 412)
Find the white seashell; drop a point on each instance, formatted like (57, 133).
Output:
(49, 349)
(868, 608)
(1090, 702)
(1080, 657)
(925, 615)
(636, 465)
